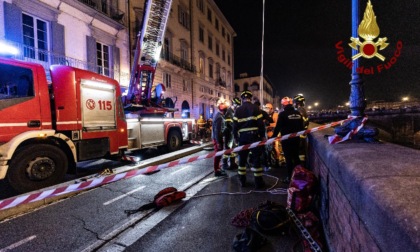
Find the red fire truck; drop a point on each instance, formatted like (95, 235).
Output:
(46, 128)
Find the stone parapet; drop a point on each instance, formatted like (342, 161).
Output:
(369, 194)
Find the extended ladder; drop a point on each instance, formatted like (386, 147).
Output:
(147, 53)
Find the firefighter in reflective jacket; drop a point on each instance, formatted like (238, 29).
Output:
(228, 160)
(290, 121)
(248, 127)
(217, 136)
(299, 103)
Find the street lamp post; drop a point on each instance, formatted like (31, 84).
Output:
(357, 94)
(357, 103)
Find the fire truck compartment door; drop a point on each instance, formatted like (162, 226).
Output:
(98, 105)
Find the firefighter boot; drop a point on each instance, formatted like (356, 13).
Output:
(259, 182)
(242, 180)
(233, 165)
(225, 165)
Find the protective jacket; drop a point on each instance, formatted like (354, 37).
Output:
(217, 129)
(228, 125)
(289, 121)
(305, 118)
(248, 118)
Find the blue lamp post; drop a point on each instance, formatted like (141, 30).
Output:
(357, 95)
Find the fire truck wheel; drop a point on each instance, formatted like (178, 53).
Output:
(174, 141)
(37, 166)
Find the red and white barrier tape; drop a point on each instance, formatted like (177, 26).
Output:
(130, 158)
(30, 198)
(196, 142)
(337, 139)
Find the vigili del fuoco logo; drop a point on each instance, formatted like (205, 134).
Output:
(369, 47)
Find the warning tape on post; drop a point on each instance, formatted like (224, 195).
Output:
(94, 182)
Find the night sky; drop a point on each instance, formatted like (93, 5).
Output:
(300, 54)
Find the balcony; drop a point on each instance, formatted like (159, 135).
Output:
(175, 60)
(220, 83)
(105, 7)
(48, 58)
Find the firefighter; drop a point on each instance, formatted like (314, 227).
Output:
(228, 160)
(290, 121)
(217, 136)
(267, 120)
(201, 123)
(276, 148)
(299, 103)
(248, 127)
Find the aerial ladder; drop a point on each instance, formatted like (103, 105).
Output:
(139, 99)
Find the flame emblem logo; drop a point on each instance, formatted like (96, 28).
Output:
(368, 30)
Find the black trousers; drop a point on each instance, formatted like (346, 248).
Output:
(291, 153)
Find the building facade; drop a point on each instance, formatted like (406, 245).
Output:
(245, 82)
(196, 64)
(88, 34)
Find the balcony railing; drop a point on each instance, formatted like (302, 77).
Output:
(47, 58)
(105, 8)
(173, 59)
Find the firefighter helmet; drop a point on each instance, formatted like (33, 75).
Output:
(246, 94)
(299, 99)
(222, 106)
(286, 101)
(236, 101)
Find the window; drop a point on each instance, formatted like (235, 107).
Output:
(201, 63)
(228, 57)
(186, 86)
(209, 15)
(223, 55)
(167, 80)
(201, 34)
(210, 42)
(184, 51)
(217, 71)
(183, 17)
(217, 49)
(35, 38)
(223, 75)
(165, 49)
(236, 88)
(211, 68)
(17, 83)
(200, 5)
(216, 23)
(228, 38)
(102, 55)
(223, 32)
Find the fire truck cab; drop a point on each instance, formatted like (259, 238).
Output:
(45, 128)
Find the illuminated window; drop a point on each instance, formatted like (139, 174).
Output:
(102, 57)
(35, 38)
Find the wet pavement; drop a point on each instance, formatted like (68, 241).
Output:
(203, 220)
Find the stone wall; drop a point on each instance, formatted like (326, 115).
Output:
(369, 194)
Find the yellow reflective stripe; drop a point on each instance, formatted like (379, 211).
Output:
(249, 118)
(242, 170)
(228, 120)
(248, 129)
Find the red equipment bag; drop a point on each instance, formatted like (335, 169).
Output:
(163, 198)
(302, 189)
(167, 196)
